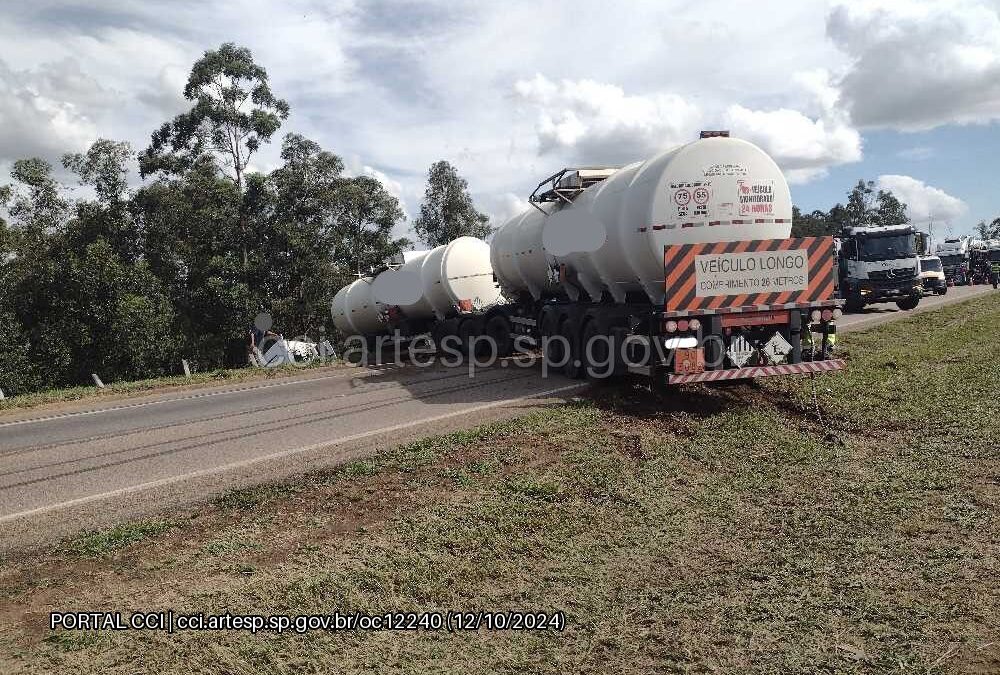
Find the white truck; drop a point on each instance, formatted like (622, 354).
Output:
(932, 277)
(955, 257)
(879, 264)
(679, 268)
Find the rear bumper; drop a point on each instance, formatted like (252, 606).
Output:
(760, 371)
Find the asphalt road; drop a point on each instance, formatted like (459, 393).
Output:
(89, 464)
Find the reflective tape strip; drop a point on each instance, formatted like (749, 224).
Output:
(760, 371)
(822, 304)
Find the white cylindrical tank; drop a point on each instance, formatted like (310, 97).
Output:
(355, 310)
(464, 274)
(431, 284)
(401, 287)
(611, 237)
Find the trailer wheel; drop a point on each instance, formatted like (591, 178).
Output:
(552, 350)
(442, 330)
(470, 328)
(498, 330)
(598, 364)
(574, 364)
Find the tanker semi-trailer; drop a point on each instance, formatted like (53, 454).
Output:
(679, 267)
(421, 292)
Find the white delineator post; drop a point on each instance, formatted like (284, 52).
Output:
(187, 368)
(97, 380)
(2, 397)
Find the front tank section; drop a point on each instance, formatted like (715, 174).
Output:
(714, 189)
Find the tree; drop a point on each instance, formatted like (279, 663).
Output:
(447, 211)
(73, 302)
(990, 231)
(815, 224)
(191, 234)
(37, 208)
(294, 209)
(366, 215)
(868, 208)
(104, 167)
(234, 112)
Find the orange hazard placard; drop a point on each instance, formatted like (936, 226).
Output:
(757, 272)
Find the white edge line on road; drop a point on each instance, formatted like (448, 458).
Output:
(276, 455)
(129, 406)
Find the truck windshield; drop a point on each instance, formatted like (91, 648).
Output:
(952, 259)
(994, 256)
(888, 247)
(930, 265)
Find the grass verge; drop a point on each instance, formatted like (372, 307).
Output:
(718, 530)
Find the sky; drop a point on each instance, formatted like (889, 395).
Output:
(906, 94)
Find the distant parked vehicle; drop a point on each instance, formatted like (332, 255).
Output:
(878, 264)
(954, 253)
(932, 275)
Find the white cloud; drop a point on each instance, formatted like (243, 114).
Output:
(916, 65)
(503, 207)
(398, 85)
(916, 154)
(46, 111)
(600, 122)
(393, 187)
(924, 202)
(593, 122)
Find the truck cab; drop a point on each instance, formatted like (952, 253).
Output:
(879, 264)
(955, 260)
(932, 275)
(993, 261)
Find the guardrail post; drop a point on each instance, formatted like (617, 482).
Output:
(2, 397)
(97, 380)
(187, 368)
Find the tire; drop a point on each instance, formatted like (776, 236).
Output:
(908, 303)
(469, 328)
(498, 329)
(443, 329)
(552, 349)
(574, 366)
(943, 290)
(854, 304)
(601, 369)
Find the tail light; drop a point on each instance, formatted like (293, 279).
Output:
(837, 313)
(827, 314)
(694, 324)
(670, 326)
(682, 325)
(815, 316)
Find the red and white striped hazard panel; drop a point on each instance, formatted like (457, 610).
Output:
(751, 273)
